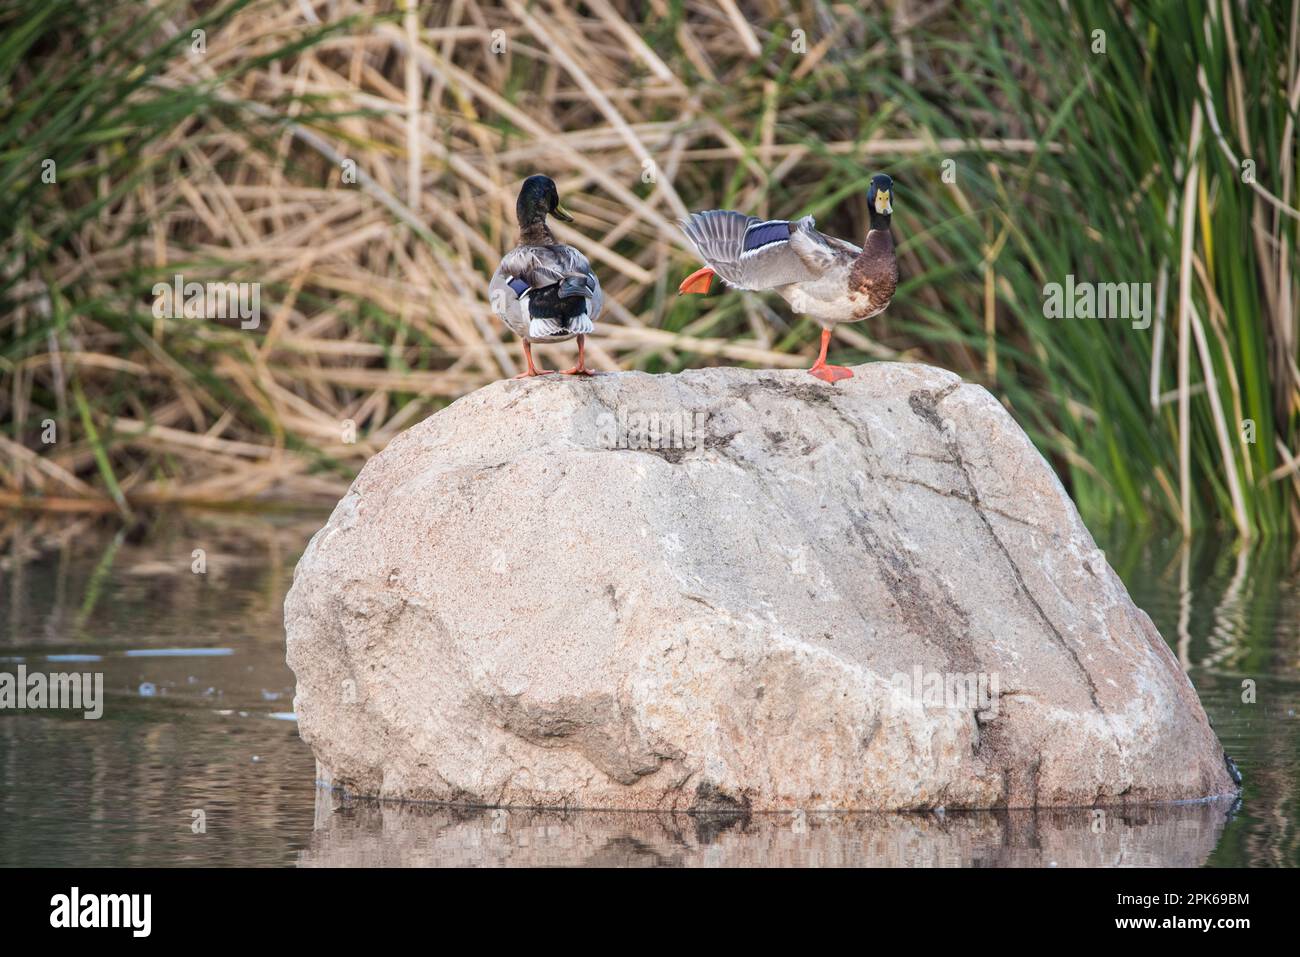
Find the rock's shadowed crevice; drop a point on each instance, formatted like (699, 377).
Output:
(925, 405)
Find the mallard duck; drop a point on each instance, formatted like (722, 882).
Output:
(545, 291)
(829, 279)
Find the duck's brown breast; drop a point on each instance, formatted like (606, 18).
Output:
(874, 275)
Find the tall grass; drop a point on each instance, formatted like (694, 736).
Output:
(1194, 418)
(1021, 157)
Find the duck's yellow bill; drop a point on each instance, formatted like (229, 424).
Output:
(883, 204)
(562, 213)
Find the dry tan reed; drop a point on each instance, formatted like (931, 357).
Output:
(443, 108)
(367, 182)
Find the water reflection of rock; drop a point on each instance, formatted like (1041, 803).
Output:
(353, 833)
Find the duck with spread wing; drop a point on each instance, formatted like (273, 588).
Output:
(830, 280)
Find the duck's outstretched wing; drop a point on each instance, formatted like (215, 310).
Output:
(748, 252)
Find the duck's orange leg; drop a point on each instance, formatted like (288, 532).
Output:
(828, 373)
(528, 357)
(697, 282)
(581, 367)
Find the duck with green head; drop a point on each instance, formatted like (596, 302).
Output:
(829, 279)
(545, 291)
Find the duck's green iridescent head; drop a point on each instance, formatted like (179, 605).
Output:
(538, 199)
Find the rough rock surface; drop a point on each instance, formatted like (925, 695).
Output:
(510, 606)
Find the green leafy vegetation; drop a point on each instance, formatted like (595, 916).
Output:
(1150, 143)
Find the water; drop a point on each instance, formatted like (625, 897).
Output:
(197, 758)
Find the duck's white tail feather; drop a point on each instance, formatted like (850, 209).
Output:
(543, 327)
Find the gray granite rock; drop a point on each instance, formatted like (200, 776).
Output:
(731, 589)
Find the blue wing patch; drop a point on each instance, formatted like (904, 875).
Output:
(764, 234)
(518, 285)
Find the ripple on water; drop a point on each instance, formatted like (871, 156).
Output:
(194, 719)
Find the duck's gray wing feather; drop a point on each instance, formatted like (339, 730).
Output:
(819, 252)
(745, 251)
(525, 268)
(504, 299)
(542, 265)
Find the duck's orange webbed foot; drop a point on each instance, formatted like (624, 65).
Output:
(825, 372)
(697, 282)
(829, 373)
(581, 367)
(532, 370)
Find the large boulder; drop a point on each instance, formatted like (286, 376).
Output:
(731, 589)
